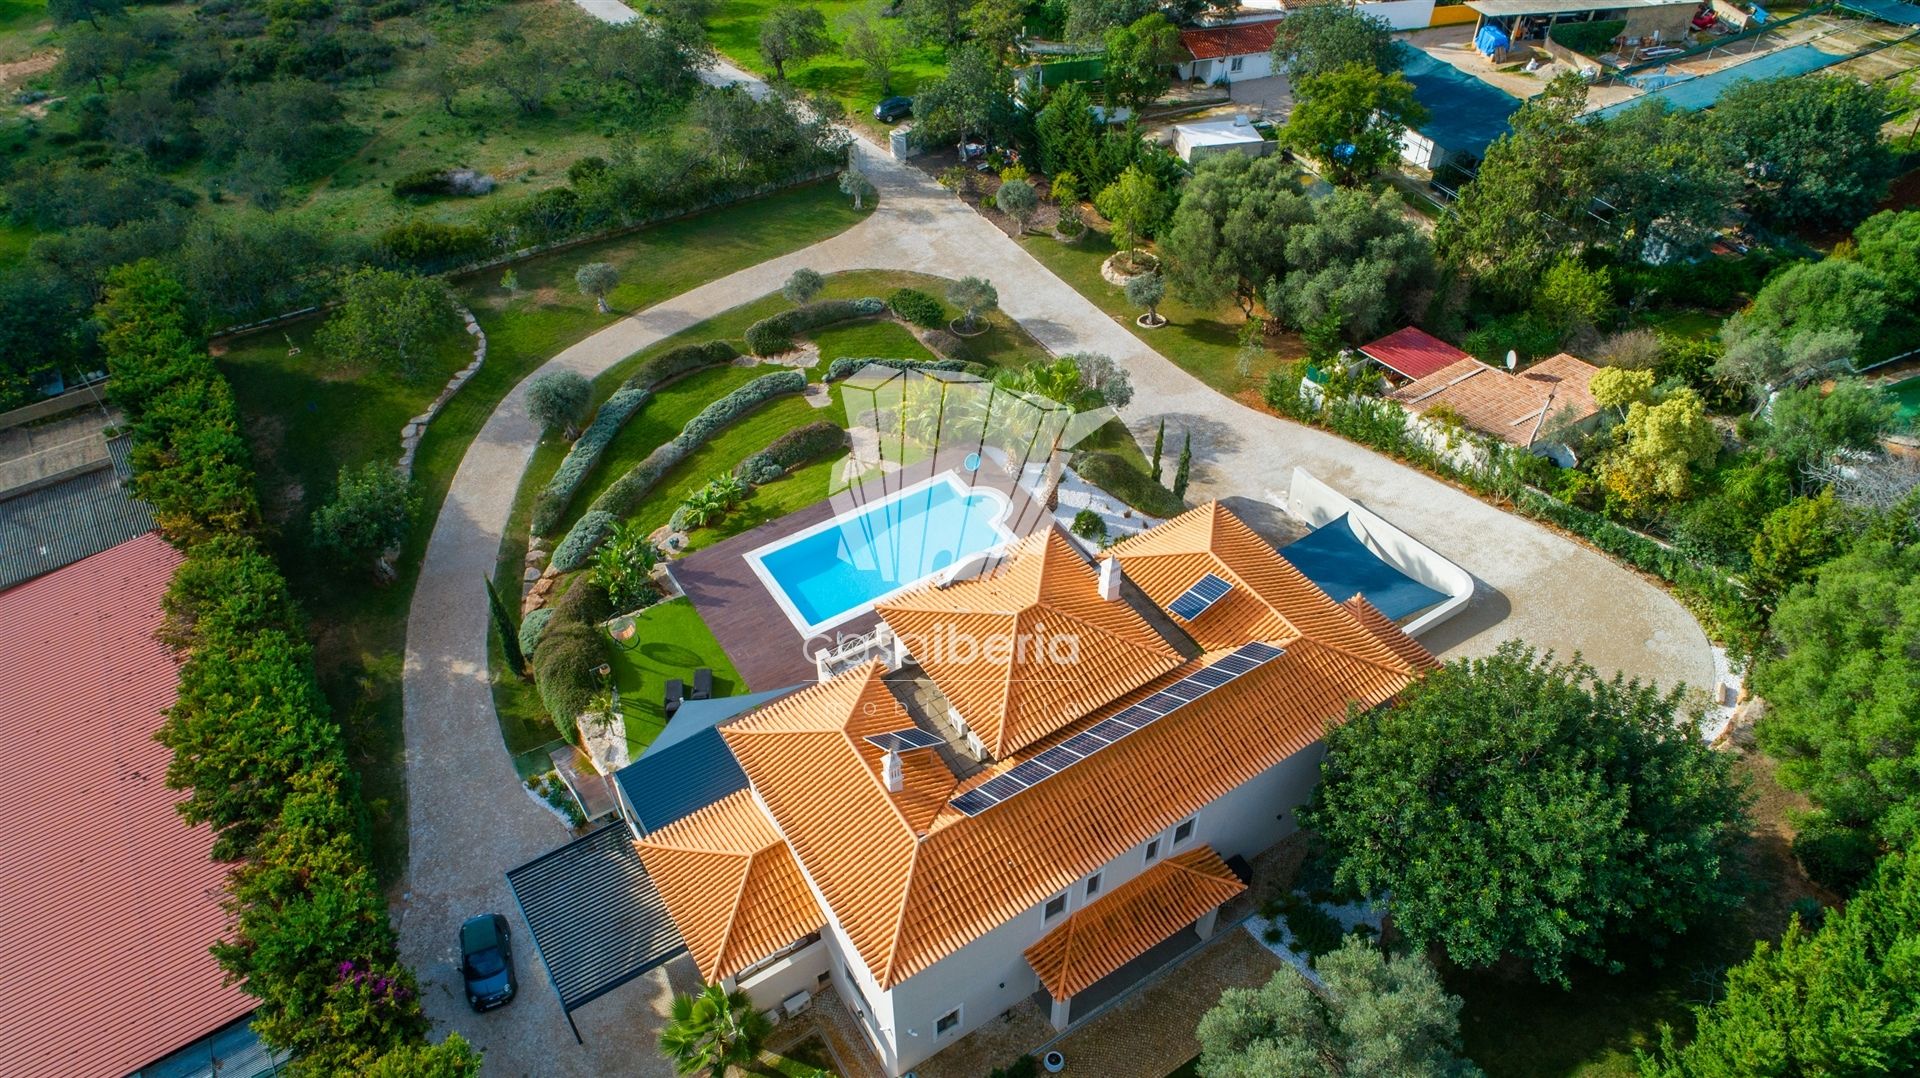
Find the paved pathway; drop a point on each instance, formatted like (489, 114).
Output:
(469, 822)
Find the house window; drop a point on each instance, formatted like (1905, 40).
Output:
(1235, 63)
(1183, 832)
(948, 1022)
(1153, 851)
(1093, 885)
(1056, 906)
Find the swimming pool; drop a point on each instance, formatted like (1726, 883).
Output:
(838, 569)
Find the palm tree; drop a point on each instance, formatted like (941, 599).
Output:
(712, 1031)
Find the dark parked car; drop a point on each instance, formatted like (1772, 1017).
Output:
(486, 961)
(893, 108)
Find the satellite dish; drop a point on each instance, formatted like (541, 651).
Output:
(1513, 360)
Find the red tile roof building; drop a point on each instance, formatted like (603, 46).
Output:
(1239, 39)
(1412, 353)
(1515, 408)
(108, 901)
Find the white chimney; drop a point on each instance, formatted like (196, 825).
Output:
(1110, 577)
(891, 774)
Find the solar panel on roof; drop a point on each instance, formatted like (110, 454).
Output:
(905, 740)
(1194, 602)
(1243, 660)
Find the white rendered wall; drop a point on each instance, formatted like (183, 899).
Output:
(1317, 503)
(1400, 14)
(797, 972)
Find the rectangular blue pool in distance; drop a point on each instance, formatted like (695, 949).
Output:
(839, 568)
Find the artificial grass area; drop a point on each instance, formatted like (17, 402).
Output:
(734, 28)
(671, 642)
(305, 421)
(1204, 343)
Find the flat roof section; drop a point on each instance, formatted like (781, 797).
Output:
(109, 900)
(597, 920)
(1503, 9)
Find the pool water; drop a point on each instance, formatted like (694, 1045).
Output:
(840, 568)
(1906, 400)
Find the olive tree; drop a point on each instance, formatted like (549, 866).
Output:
(596, 279)
(973, 295)
(557, 400)
(1147, 290)
(802, 285)
(1018, 200)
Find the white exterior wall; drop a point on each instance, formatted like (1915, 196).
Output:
(1256, 65)
(991, 974)
(797, 972)
(1418, 150)
(1400, 14)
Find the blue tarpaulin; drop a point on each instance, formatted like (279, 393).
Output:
(1490, 39)
(1702, 92)
(1467, 114)
(1333, 557)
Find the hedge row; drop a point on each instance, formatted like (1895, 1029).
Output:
(634, 393)
(774, 334)
(531, 626)
(254, 744)
(802, 445)
(570, 653)
(845, 366)
(623, 497)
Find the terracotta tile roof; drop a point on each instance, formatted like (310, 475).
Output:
(1508, 406)
(1125, 924)
(730, 884)
(1239, 39)
(1412, 352)
(1390, 634)
(1043, 599)
(108, 901)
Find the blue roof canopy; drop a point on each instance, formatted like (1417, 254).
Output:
(1334, 558)
(689, 766)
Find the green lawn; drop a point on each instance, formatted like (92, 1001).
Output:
(735, 29)
(307, 420)
(671, 642)
(1205, 343)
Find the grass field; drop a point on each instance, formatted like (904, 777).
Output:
(671, 642)
(735, 30)
(1204, 343)
(306, 421)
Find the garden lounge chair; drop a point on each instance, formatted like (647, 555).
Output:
(676, 691)
(703, 684)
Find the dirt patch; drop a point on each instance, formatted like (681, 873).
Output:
(19, 71)
(1904, 194)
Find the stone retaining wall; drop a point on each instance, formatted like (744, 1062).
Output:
(416, 427)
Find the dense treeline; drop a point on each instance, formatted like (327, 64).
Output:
(254, 744)
(243, 99)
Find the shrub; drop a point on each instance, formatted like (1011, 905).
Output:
(565, 667)
(1088, 524)
(423, 183)
(557, 399)
(1113, 474)
(775, 333)
(587, 602)
(802, 445)
(1837, 858)
(845, 366)
(532, 626)
(1315, 931)
(614, 414)
(1588, 38)
(367, 516)
(587, 534)
(432, 246)
(918, 307)
(623, 497)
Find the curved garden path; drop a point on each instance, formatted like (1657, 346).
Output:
(469, 820)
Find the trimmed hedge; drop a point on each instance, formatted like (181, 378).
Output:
(1113, 474)
(532, 626)
(918, 307)
(774, 334)
(564, 668)
(802, 445)
(623, 497)
(614, 414)
(846, 365)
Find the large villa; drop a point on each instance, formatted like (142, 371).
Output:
(1042, 780)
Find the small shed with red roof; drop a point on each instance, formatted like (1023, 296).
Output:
(108, 901)
(1412, 353)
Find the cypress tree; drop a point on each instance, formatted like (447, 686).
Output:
(1186, 465)
(1159, 443)
(509, 632)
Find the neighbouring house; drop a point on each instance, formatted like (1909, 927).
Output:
(1228, 54)
(1195, 142)
(1522, 409)
(65, 490)
(1042, 791)
(111, 901)
(1410, 354)
(1504, 24)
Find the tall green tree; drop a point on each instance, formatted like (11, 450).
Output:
(869, 38)
(1529, 201)
(1378, 1016)
(792, 32)
(386, 320)
(937, 22)
(713, 1031)
(967, 101)
(1888, 244)
(367, 517)
(1669, 180)
(1069, 136)
(1351, 119)
(1840, 1001)
(1843, 693)
(1138, 58)
(1811, 145)
(1183, 471)
(1227, 238)
(508, 627)
(1135, 203)
(1159, 444)
(1360, 260)
(1320, 38)
(1515, 805)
